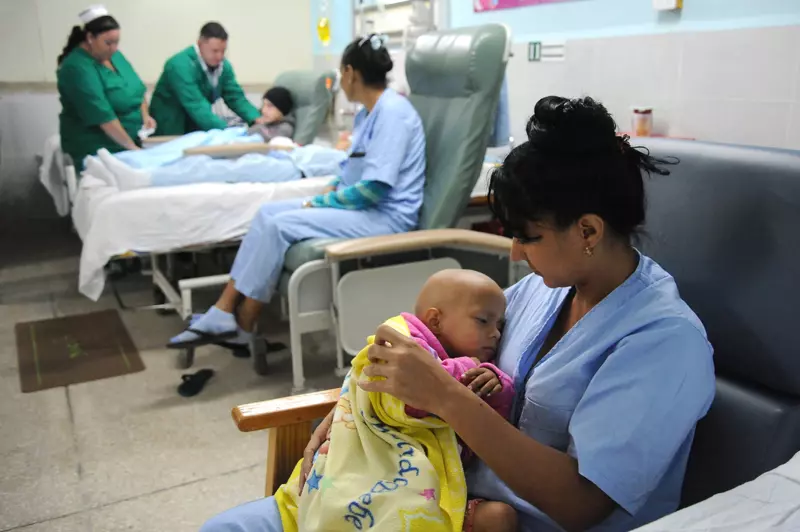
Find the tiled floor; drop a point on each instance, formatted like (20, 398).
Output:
(126, 453)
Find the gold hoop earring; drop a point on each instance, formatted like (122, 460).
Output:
(588, 251)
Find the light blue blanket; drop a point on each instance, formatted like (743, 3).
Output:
(172, 151)
(165, 165)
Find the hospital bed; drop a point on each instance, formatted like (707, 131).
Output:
(160, 222)
(771, 502)
(312, 96)
(164, 220)
(724, 225)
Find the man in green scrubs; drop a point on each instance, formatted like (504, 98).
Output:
(192, 81)
(102, 97)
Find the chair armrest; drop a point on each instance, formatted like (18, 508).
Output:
(235, 150)
(414, 240)
(284, 411)
(151, 141)
(478, 201)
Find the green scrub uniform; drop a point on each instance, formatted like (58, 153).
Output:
(93, 94)
(182, 100)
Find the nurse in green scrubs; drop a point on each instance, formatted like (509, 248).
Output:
(102, 98)
(193, 80)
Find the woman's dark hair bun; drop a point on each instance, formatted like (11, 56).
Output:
(574, 163)
(369, 56)
(572, 126)
(76, 37)
(384, 63)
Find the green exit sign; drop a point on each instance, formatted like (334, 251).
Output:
(534, 51)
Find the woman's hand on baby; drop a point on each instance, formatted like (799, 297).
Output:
(410, 372)
(483, 381)
(320, 435)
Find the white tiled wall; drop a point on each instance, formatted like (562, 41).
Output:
(739, 86)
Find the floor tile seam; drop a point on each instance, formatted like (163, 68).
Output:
(133, 498)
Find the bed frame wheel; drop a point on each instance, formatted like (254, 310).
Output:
(185, 358)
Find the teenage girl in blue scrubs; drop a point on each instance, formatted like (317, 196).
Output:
(379, 191)
(612, 370)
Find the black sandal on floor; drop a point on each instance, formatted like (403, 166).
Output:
(193, 383)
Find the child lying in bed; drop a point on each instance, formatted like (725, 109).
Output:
(457, 319)
(276, 105)
(273, 167)
(165, 165)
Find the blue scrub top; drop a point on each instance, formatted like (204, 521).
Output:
(389, 146)
(621, 392)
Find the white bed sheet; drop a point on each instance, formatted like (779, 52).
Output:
(52, 174)
(162, 219)
(769, 503)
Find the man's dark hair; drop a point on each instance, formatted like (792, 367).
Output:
(213, 30)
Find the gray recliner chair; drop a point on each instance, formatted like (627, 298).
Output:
(725, 225)
(311, 92)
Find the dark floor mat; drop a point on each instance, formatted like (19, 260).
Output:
(82, 348)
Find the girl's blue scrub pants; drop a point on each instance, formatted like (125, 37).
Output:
(277, 225)
(257, 516)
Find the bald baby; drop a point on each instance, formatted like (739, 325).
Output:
(464, 309)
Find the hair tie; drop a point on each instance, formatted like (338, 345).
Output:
(623, 142)
(376, 41)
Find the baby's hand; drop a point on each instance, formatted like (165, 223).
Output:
(482, 381)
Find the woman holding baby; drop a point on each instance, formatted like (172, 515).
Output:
(611, 369)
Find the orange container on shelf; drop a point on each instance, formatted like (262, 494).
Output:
(642, 121)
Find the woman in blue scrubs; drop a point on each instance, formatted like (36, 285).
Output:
(379, 191)
(612, 369)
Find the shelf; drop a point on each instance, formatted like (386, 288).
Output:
(387, 4)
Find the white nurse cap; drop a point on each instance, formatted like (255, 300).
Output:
(92, 13)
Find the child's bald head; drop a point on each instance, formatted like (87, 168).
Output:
(449, 288)
(464, 309)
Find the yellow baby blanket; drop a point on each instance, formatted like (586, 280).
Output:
(383, 470)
